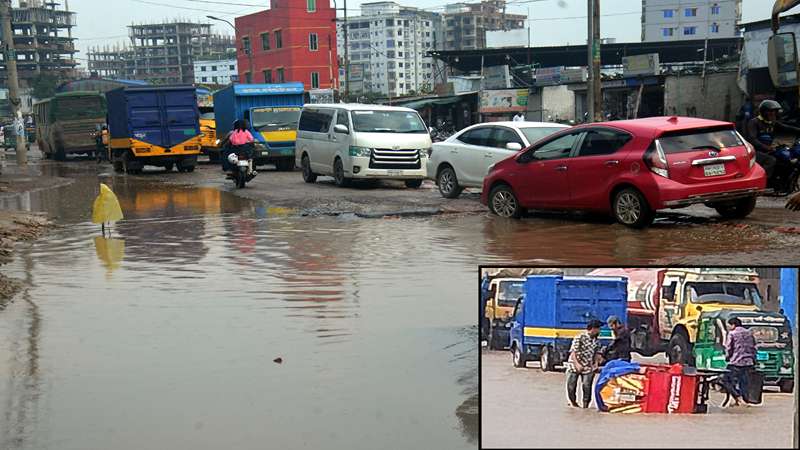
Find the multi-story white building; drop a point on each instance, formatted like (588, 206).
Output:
(215, 71)
(678, 20)
(387, 48)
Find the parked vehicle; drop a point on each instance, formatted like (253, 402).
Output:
(354, 141)
(631, 169)
(785, 177)
(664, 304)
(241, 167)
(463, 159)
(773, 344)
(66, 122)
(209, 144)
(557, 308)
(504, 286)
(153, 125)
(271, 111)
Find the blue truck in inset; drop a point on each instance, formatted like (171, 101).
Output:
(554, 309)
(271, 111)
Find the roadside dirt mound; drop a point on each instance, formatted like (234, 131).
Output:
(14, 227)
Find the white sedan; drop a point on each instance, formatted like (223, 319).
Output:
(464, 158)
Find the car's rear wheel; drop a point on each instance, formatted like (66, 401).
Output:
(631, 209)
(736, 209)
(504, 203)
(448, 183)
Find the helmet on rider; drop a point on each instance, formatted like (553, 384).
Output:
(768, 109)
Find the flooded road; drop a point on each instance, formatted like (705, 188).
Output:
(540, 397)
(164, 336)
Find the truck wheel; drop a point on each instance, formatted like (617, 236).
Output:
(546, 359)
(285, 165)
(786, 385)
(679, 350)
(494, 341)
(518, 357)
(338, 173)
(308, 175)
(736, 209)
(168, 167)
(631, 209)
(213, 157)
(60, 154)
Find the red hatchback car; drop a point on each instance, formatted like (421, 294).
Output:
(630, 168)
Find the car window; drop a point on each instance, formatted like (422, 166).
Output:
(503, 136)
(602, 142)
(535, 134)
(341, 118)
(558, 148)
(477, 136)
(316, 120)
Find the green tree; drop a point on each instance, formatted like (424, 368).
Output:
(44, 85)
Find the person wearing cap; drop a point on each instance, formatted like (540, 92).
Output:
(582, 362)
(760, 132)
(620, 348)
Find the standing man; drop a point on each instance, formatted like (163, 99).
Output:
(621, 347)
(582, 362)
(519, 117)
(740, 351)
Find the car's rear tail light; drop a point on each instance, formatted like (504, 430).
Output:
(751, 152)
(655, 159)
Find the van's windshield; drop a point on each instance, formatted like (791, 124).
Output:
(388, 122)
(723, 292)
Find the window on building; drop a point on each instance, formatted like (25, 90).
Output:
(389, 22)
(400, 32)
(203, 68)
(389, 43)
(205, 79)
(213, 79)
(232, 67)
(399, 64)
(689, 30)
(314, 80)
(667, 13)
(213, 68)
(311, 5)
(281, 76)
(265, 41)
(666, 32)
(714, 28)
(313, 42)
(248, 78)
(715, 10)
(690, 12)
(246, 45)
(390, 54)
(267, 76)
(278, 39)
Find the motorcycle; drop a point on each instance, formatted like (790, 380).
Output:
(787, 171)
(441, 133)
(241, 168)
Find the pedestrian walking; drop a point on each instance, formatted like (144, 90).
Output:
(620, 348)
(740, 352)
(582, 362)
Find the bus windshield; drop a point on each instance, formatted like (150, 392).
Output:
(274, 119)
(78, 107)
(723, 292)
(509, 292)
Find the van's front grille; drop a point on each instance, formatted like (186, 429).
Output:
(384, 158)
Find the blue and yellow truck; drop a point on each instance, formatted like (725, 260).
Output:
(271, 111)
(554, 309)
(153, 125)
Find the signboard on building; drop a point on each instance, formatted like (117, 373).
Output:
(577, 75)
(504, 100)
(547, 76)
(356, 72)
(640, 65)
(321, 96)
(507, 38)
(496, 77)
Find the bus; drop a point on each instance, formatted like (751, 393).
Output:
(67, 122)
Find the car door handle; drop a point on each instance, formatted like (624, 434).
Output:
(488, 155)
(612, 162)
(561, 168)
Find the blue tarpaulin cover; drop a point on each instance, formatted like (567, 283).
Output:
(612, 369)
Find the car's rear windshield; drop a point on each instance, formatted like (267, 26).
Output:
(693, 140)
(534, 134)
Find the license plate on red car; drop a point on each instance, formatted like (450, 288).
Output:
(713, 170)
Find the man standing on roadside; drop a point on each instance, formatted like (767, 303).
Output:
(740, 351)
(621, 347)
(582, 362)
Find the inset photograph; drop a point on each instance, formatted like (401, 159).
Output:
(669, 357)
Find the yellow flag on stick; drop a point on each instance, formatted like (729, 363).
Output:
(106, 206)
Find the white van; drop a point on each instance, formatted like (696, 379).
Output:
(354, 141)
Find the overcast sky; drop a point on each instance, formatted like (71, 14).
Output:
(554, 22)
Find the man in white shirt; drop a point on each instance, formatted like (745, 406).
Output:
(519, 118)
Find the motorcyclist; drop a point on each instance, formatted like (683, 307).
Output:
(238, 140)
(761, 131)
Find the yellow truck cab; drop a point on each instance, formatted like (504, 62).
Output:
(208, 134)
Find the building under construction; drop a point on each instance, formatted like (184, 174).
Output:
(43, 40)
(161, 53)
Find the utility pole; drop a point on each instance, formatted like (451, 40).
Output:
(346, 56)
(10, 58)
(594, 97)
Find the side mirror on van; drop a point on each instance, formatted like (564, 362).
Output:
(431, 130)
(515, 146)
(782, 60)
(339, 128)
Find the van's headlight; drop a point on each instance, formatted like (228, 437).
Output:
(217, 143)
(787, 359)
(360, 151)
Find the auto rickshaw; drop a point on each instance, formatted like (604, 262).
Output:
(774, 359)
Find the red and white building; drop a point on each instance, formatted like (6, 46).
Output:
(294, 40)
